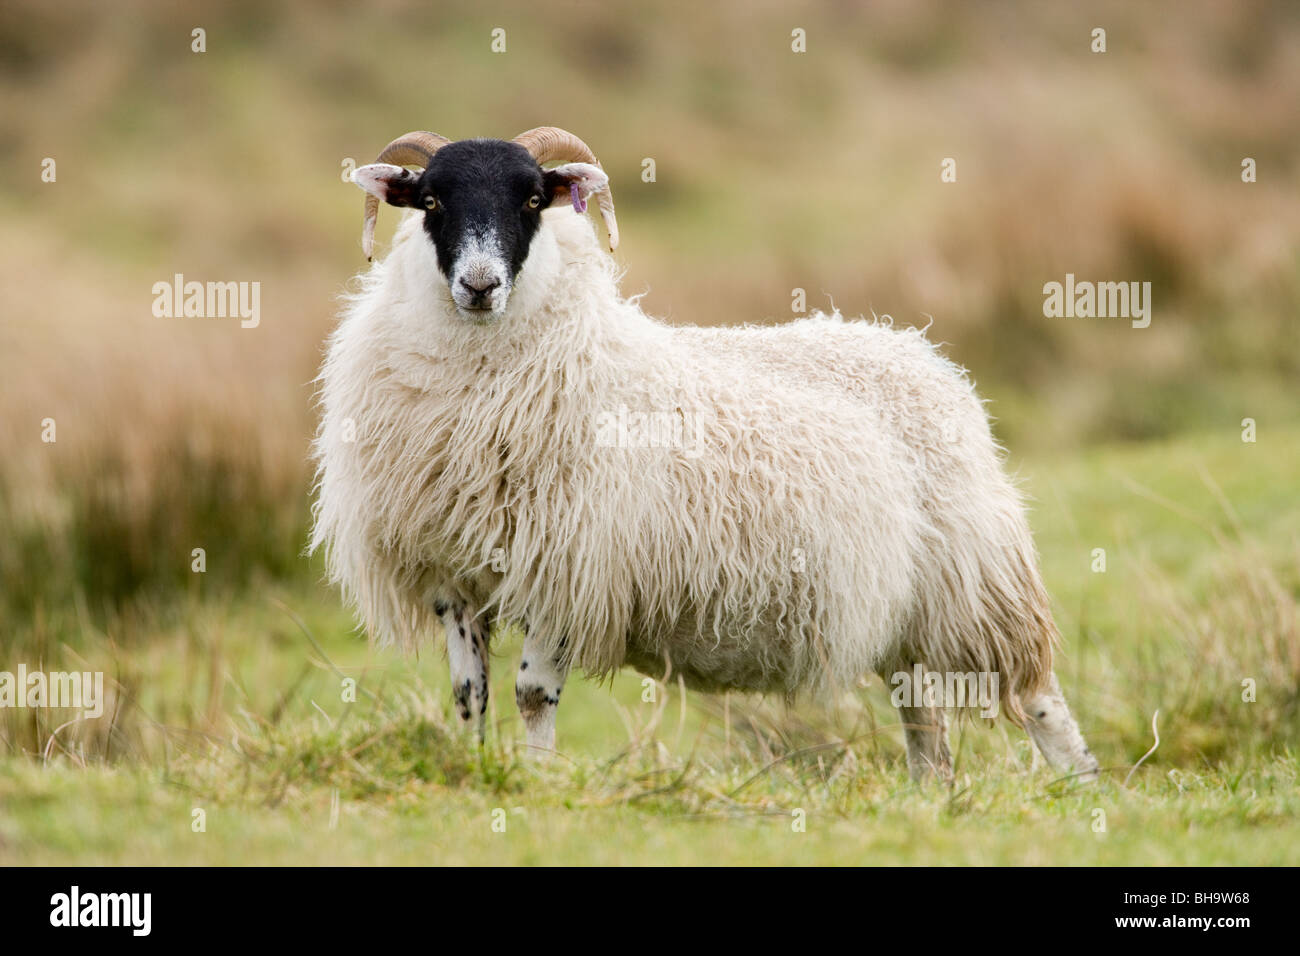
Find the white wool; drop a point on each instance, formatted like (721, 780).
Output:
(839, 505)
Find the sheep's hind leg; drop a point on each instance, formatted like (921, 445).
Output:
(467, 655)
(537, 693)
(1057, 735)
(926, 732)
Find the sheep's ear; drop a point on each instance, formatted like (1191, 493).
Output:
(574, 182)
(393, 184)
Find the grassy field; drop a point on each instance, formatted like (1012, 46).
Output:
(127, 156)
(234, 706)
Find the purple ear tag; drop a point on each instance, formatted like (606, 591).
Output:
(579, 204)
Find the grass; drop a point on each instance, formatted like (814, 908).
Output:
(234, 704)
(589, 812)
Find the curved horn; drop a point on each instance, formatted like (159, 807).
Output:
(413, 149)
(548, 143)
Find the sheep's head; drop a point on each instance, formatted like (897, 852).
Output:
(483, 201)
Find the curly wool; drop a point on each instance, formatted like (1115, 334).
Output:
(836, 503)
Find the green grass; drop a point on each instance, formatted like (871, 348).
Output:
(234, 705)
(589, 813)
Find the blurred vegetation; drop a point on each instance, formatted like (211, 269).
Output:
(774, 171)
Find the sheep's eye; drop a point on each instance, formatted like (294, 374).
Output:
(534, 202)
(430, 202)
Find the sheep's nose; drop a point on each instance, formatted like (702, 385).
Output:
(479, 288)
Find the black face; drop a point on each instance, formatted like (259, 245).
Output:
(483, 200)
(483, 187)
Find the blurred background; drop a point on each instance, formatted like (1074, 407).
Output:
(774, 170)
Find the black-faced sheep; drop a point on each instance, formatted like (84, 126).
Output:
(506, 437)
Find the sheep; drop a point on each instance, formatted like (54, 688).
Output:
(504, 437)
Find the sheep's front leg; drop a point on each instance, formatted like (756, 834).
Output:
(537, 693)
(467, 655)
(926, 732)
